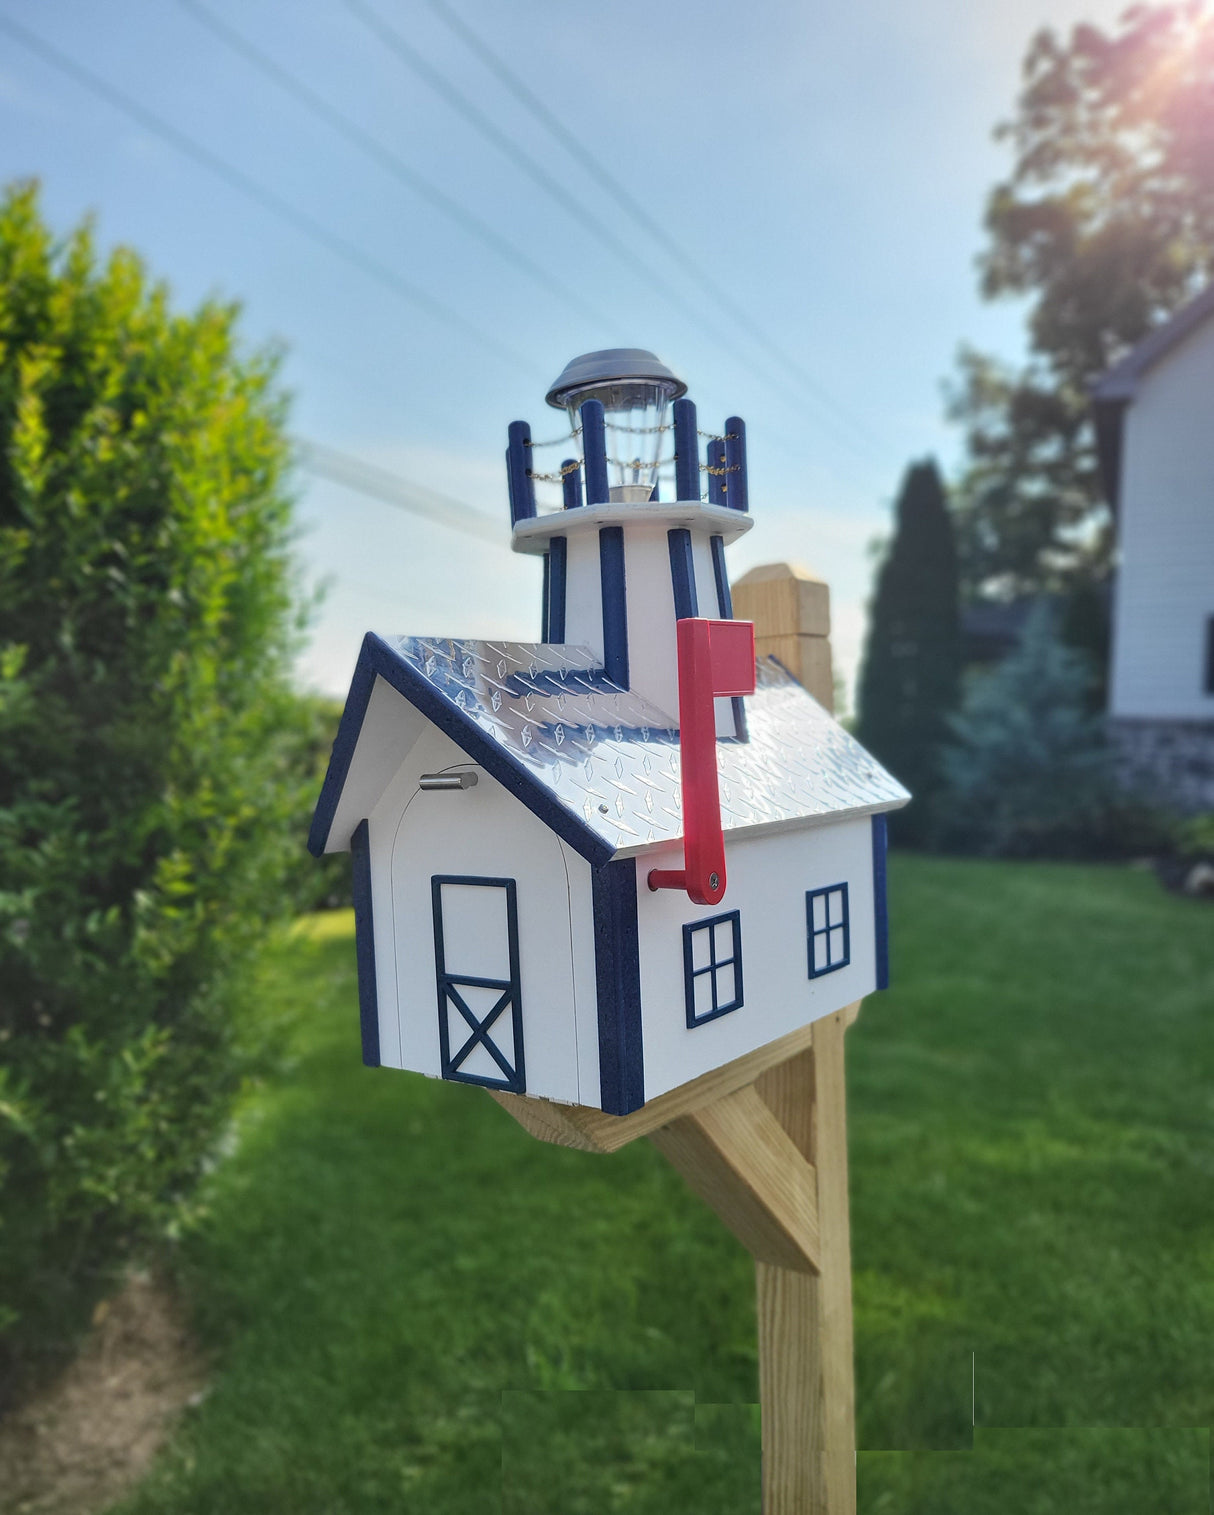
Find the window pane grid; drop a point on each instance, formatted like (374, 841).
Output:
(828, 928)
(712, 952)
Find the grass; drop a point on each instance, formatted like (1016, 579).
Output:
(400, 1288)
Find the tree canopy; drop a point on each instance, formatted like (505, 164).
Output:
(1106, 226)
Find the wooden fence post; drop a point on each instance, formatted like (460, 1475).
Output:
(790, 607)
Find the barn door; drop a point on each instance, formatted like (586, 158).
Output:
(476, 961)
(483, 946)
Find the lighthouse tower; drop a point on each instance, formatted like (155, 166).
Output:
(622, 565)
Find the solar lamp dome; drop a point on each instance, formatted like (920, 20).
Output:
(635, 388)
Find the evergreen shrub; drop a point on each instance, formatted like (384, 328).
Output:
(1029, 772)
(909, 679)
(153, 800)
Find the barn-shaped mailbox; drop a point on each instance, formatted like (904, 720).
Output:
(595, 867)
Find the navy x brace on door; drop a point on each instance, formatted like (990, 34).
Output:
(476, 959)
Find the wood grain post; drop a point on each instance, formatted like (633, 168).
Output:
(806, 1375)
(806, 1382)
(763, 1140)
(790, 607)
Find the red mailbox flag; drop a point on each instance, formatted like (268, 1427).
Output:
(715, 658)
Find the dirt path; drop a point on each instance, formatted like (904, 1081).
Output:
(90, 1436)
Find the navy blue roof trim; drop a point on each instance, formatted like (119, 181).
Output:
(364, 945)
(617, 966)
(344, 744)
(376, 657)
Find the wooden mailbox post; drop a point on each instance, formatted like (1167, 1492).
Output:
(631, 878)
(763, 1141)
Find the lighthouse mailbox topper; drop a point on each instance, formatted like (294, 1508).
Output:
(595, 867)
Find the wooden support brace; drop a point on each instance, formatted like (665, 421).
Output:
(739, 1159)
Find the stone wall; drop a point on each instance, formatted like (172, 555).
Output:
(1168, 761)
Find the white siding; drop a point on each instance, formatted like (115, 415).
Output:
(768, 877)
(1165, 583)
(484, 832)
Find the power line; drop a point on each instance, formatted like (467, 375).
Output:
(393, 489)
(604, 234)
(248, 186)
(628, 203)
(387, 159)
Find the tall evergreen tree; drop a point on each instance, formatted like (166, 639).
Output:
(909, 679)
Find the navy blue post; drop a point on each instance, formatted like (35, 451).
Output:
(557, 558)
(716, 479)
(686, 452)
(518, 473)
(737, 495)
(571, 483)
(594, 451)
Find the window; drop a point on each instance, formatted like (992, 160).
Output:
(712, 967)
(828, 929)
(476, 961)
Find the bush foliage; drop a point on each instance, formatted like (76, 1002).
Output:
(1029, 772)
(151, 789)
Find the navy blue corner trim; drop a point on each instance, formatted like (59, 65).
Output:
(880, 900)
(615, 604)
(509, 992)
(682, 573)
(545, 596)
(377, 658)
(364, 944)
(558, 557)
(617, 966)
(724, 598)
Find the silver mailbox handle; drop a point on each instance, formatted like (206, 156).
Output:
(465, 779)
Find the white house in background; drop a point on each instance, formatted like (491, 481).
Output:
(1155, 433)
(537, 900)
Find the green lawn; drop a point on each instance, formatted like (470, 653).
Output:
(400, 1288)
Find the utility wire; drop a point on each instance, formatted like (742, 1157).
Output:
(248, 186)
(393, 489)
(602, 231)
(630, 205)
(395, 165)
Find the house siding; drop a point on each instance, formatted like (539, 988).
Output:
(1165, 582)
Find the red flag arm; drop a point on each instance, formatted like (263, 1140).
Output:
(715, 658)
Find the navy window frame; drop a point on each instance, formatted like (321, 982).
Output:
(514, 1078)
(822, 934)
(714, 964)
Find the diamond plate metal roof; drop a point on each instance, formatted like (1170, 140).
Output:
(602, 764)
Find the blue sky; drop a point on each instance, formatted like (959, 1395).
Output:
(824, 164)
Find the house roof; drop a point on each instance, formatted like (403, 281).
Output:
(1116, 388)
(597, 763)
